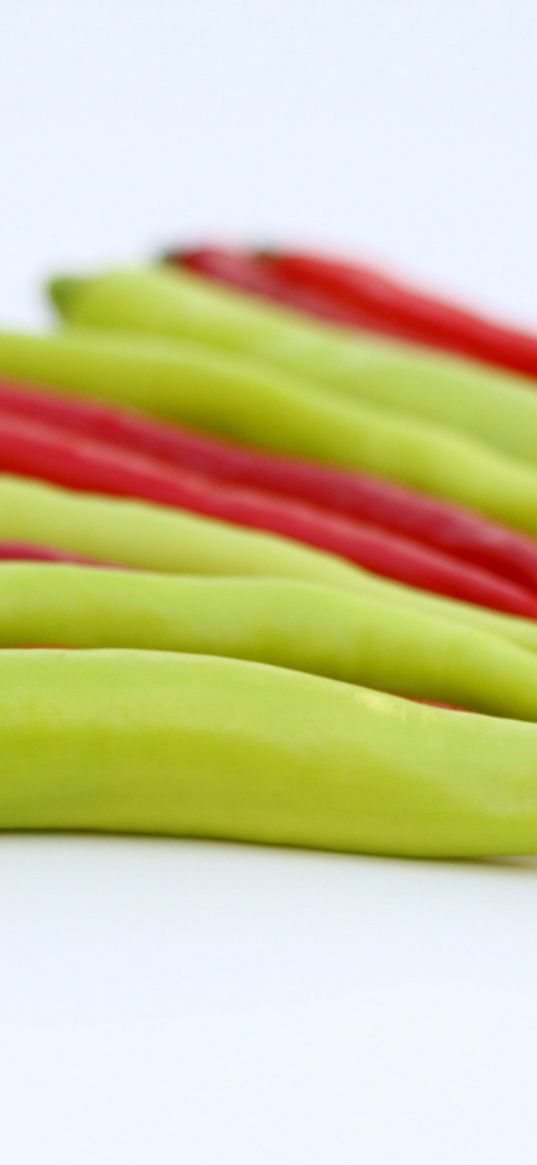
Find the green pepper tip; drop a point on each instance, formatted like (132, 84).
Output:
(62, 291)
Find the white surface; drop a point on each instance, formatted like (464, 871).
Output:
(190, 1003)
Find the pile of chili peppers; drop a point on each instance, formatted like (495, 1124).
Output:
(314, 491)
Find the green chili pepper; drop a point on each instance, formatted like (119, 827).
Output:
(149, 537)
(197, 746)
(497, 407)
(263, 406)
(293, 625)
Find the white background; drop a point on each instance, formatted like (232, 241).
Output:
(168, 1002)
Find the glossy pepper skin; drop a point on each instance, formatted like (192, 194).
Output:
(262, 406)
(195, 746)
(294, 625)
(34, 449)
(423, 317)
(457, 532)
(484, 404)
(149, 537)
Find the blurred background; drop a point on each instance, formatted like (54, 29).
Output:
(207, 1004)
(398, 129)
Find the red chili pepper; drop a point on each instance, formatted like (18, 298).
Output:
(35, 449)
(361, 297)
(28, 552)
(249, 273)
(420, 317)
(448, 528)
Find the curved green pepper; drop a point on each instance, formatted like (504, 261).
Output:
(497, 407)
(202, 747)
(262, 406)
(149, 537)
(293, 625)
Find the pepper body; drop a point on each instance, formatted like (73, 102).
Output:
(485, 404)
(257, 276)
(149, 537)
(254, 404)
(289, 624)
(33, 552)
(457, 532)
(50, 453)
(194, 746)
(364, 298)
(422, 317)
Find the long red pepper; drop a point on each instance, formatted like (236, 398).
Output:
(441, 525)
(252, 274)
(29, 552)
(418, 316)
(36, 449)
(362, 297)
